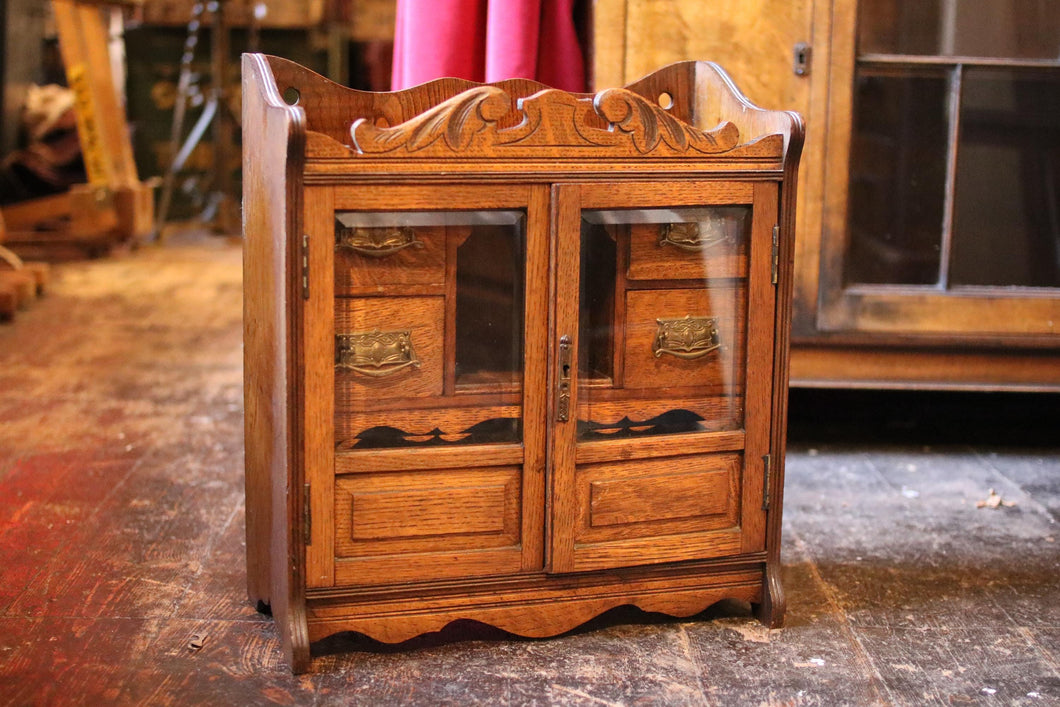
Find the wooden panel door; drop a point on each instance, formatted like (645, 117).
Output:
(663, 351)
(424, 366)
(755, 40)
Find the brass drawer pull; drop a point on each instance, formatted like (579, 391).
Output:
(375, 353)
(376, 242)
(690, 236)
(687, 338)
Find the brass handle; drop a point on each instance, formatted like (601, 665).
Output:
(376, 242)
(689, 236)
(686, 338)
(564, 373)
(375, 353)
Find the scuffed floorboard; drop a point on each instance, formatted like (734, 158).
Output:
(121, 547)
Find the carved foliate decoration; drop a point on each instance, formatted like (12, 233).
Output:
(613, 121)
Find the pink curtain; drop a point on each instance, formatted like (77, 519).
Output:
(487, 40)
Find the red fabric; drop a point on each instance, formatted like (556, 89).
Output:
(487, 40)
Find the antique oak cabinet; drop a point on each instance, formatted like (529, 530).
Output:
(512, 354)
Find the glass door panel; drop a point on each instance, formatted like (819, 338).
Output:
(1006, 229)
(666, 314)
(1026, 29)
(898, 161)
(429, 328)
(656, 456)
(945, 227)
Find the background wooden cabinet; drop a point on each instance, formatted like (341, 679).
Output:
(928, 246)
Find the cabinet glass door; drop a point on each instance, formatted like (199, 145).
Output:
(660, 455)
(428, 363)
(945, 125)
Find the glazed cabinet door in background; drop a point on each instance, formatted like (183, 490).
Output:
(663, 344)
(424, 443)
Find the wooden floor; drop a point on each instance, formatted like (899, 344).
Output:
(121, 550)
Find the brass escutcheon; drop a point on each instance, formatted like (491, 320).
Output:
(376, 242)
(687, 338)
(375, 353)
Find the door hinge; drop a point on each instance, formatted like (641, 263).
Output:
(305, 266)
(767, 471)
(801, 57)
(307, 516)
(776, 254)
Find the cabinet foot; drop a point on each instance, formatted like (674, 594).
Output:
(770, 612)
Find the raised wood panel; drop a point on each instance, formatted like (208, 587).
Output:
(721, 368)
(658, 497)
(423, 317)
(452, 510)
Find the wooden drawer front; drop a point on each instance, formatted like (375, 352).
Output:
(657, 497)
(398, 526)
(650, 260)
(424, 320)
(721, 368)
(363, 270)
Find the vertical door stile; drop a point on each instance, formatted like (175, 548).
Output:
(535, 384)
(566, 268)
(318, 379)
(761, 305)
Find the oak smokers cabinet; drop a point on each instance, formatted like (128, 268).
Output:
(512, 354)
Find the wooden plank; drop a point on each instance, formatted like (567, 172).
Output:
(924, 369)
(761, 368)
(274, 476)
(318, 333)
(565, 268)
(662, 446)
(456, 457)
(656, 550)
(631, 195)
(536, 400)
(431, 198)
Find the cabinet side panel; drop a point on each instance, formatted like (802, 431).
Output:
(273, 137)
(263, 334)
